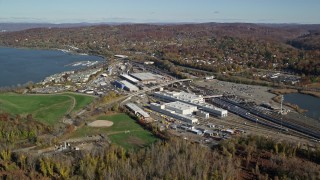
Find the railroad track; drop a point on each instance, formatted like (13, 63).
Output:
(295, 127)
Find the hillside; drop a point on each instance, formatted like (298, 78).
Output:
(211, 46)
(310, 41)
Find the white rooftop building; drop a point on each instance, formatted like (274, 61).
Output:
(181, 108)
(129, 78)
(181, 96)
(192, 99)
(146, 77)
(120, 56)
(137, 110)
(162, 109)
(129, 86)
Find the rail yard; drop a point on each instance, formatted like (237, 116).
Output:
(205, 111)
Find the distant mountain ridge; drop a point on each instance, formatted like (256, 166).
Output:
(8, 27)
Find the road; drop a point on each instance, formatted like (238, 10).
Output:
(128, 97)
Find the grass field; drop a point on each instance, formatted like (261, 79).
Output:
(81, 100)
(48, 109)
(124, 132)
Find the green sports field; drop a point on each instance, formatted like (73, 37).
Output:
(48, 109)
(124, 132)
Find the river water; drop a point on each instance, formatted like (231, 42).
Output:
(307, 102)
(19, 66)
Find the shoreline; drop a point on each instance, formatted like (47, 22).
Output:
(311, 93)
(57, 49)
(24, 85)
(295, 107)
(289, 91)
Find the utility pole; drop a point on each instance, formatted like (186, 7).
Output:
(281, 110)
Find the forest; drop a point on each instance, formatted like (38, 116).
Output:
(251, 157)
(211, 46)
(242, 157)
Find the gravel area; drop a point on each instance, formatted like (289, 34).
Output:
(259, 94)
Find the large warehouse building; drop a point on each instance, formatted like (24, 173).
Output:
(181, 108)
(175, 109)
(129, 78)
(191, 99)
(146, 77)
(126, 85)
(137, 110)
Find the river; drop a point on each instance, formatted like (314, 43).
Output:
(307, 102)
(19, 66)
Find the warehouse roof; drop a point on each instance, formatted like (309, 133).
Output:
(129, 85)
(145, 76)
(137, 109)
(182, 96)
(180, 105)
(126, 76)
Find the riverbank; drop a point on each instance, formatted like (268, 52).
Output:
(280, 92)
(72, 52)
(19, 66)
(311, 93)
(290, 91)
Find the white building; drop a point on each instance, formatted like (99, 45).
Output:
(209, 77)
(179, 96)
(129, 78)
(162, 109)
(202, 114)
(147, 77)
(192, 99)
(181, 108)
(129, 87)
(137, 110)
(121, 56)
(148, 62)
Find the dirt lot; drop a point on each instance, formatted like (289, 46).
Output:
(101, 123)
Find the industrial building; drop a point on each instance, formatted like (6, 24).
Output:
(202, 114)
(170, 96)
(118, 84)
(192, 99)
(137, 110)
(126, 85)
(121, 56)
(181, 108)
(146, 77)
(129, 87)
(129, 78)
(169, 112)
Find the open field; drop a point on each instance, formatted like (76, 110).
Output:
(81, 100)
(124, 132)
(48, 109)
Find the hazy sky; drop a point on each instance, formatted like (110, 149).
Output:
(70, 11)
